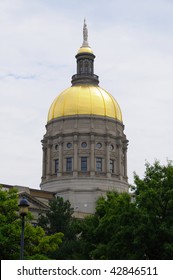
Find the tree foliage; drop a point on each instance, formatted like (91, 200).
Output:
(59, 217)
(37, 243)
(154, 198)
(111, 231)
(9, 225)
(122, 228)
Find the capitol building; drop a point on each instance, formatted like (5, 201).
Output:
(84, 147)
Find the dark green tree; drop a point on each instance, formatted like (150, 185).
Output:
(60, 218)
(140, 228)
(109, 234)
(154, 199)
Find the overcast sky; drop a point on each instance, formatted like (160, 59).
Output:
(133, 44)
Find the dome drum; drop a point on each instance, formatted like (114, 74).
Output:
(97, 141)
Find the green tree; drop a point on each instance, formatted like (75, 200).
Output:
(122, 228)
(9, 225)
(109, 234)
(37, 242)
(154, 199)
(59, 217)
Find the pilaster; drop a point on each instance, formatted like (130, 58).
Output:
(108, 173)
(44, 162)
(119, 146)
(60, 144)
(92, 158)
(49, 159)
(75, 162)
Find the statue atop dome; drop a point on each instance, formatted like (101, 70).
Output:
(85, 35)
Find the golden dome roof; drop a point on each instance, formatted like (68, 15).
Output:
(85, 100)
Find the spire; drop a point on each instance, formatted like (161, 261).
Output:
(85, 63)
(85, 35)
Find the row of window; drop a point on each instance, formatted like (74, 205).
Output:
(84, 164)
(84, 145)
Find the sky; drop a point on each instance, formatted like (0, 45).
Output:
(133, 44)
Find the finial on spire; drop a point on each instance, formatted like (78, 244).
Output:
(85, 35)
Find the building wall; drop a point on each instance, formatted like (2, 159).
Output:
(37, 199)
(78, 137)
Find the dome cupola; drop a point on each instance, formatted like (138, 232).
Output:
(85, 63)
(85, 97)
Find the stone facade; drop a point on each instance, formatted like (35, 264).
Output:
(101, 143)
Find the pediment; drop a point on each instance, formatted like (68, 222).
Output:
(34, 203)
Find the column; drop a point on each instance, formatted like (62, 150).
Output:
(119, 159)
(125, 163)
(125, 158)
(49, 160)
(92, 158)
(75, 160)
(108, 173)
(44, 163)
(60, 144)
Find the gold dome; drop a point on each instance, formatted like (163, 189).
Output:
(85, 100)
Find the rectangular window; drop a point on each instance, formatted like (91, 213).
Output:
(111, 165)
(56, 165)
(69, 164)
(99, 164)
(83, 164)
